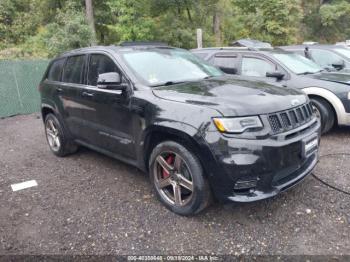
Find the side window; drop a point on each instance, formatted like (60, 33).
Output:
(299, 52)
(74, 70)
(54, 73)
(225, 61)
(256, 67)
(201, 55)
(325, 58)
(100, 64)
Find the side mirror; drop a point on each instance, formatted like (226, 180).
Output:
(339, 65)
(110, 81)
(229, 70)
(278, 75)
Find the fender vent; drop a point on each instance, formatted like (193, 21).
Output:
(290, 119)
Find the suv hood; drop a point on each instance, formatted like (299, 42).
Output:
(233, 96)
(338, 77)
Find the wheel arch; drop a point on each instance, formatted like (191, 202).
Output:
(331, 98)
(187, 136)
(45, 110)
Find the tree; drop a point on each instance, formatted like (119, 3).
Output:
(275, 21)
(90, 18)
(69, 31)
(41, 28)
(335, 21)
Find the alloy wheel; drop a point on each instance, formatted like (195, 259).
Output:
(316, 111)
(173, 178)
(52, 135)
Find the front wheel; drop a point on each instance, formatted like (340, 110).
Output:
(178, 179)
(324, 112)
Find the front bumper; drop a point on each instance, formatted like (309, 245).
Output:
(267, 166)
(344, 119)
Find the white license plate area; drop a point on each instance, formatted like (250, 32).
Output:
(310, 146)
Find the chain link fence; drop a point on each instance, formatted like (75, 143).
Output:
(19, 82)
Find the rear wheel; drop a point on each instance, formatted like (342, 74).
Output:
(178, 179)
(57, 137)
(325, 113)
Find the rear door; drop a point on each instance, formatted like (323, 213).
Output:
(51, 85)
(73, 79)
(226, 60)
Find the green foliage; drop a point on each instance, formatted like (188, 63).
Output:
(131, 24)
(14, 21)
(275, 21)
(66, 30)
(44, 28)
(69, 31)
(335, 20)
(326, 22)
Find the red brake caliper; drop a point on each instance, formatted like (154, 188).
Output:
(169, 160)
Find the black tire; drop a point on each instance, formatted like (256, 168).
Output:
(201, 194)
(326, 114)
(66, 145)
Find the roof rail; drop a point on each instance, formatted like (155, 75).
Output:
(143, 43)
(221, 48)
(251, 43)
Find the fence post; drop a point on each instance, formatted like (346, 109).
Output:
(199, 38)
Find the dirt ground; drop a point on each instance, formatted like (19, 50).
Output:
(88, 203)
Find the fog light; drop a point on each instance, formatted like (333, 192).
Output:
(244, 185)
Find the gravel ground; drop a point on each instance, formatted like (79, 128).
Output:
(88, 203)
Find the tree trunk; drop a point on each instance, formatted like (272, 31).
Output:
(90, 18)
(216, 28)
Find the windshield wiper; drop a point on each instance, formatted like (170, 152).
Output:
(169, 83)
(308, 73)
(208, 77)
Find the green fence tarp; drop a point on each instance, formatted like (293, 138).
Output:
(19, 82)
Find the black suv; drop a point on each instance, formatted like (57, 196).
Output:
(195, 130)
(329, 92)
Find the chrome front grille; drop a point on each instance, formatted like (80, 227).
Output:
(290, 119)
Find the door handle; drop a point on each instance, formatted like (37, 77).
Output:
(59, 90)
(87, 94)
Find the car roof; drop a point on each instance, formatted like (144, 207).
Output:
(252, 43)
(311, 46)
(240, 49)
(123, 46)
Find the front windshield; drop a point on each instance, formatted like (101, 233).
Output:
(297, 63)
(344, 52)
(159, 66)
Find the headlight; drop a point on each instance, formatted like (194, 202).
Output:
(348, 95)
(237, 124)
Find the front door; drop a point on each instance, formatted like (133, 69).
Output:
(106, 113)
(256, 67)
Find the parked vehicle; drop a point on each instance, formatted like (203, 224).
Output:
(345, 44)
(329, 92)
(327, 56)
(195, 130)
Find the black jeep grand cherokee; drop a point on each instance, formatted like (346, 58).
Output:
(194, 129)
